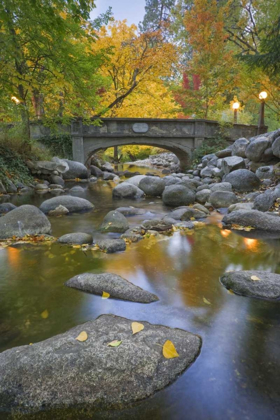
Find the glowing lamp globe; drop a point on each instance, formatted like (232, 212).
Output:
(235, 105)
(263, 95)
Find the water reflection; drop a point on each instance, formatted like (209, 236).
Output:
(236, 375)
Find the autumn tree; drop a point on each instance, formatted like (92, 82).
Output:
(138, 65)
(46, 57)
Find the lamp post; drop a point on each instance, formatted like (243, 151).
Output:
(235, 106)
(261, 126)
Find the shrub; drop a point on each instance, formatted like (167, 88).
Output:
(59, 145)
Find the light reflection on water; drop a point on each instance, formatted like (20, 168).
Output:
(237, 374)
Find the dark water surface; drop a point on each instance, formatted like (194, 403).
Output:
(236, 376)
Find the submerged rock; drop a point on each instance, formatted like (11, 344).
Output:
(59, 211)
(111, 245)
(79, 238)
(90, 374)
(73, 204)
(255, 219)
(114, 221)
(113, 284)
(22, 221)
(256, 284)
(130, 211)
(159, 225)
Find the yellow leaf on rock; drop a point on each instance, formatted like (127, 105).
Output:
(105, 295)
(169, 351)
(45, 314)
(136, 327)
(206, 301)
(114, 343)
(255, 278)
(82, 336)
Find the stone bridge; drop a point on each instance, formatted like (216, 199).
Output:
(180, 136)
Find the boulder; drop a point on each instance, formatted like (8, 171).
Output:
(114, 221)
(22, 221)
(240, 206)
(75, 238)
(207, 172)
(222, 199)
(255, 284)
(73, 204)
(106, 166)
(91, 374)
(76, 170)
(111, 245)
(126, 190)
(239, 147)
(223, 153)
(77, 190)
(265, 172)
(152, 186)
(276, 147)
(178, 195)
(253, 218)
(221, 186)
(59, 211)
(243, 180)
(95, 171)
(171, 180)
(256, 148)
(135, 180)
(232, 163)
(202, 196)
(6, 207)
(263, 202)
(116, 286)
(108, 176)
(56, 179)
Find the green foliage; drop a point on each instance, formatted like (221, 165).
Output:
(59, 145)
(208, 147)
(132, 153)
(12, 166)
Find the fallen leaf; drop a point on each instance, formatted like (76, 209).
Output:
(255, 278)
(45, 314)
(206, 301)
(114, 343)
(136, 327)
(82, 336)
(169, 351)
(105, 295)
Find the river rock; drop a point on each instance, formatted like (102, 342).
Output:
(73, 204)
(232, 163)
(91, 374)
(2, 189)
(135, 180)
(222, 199)
(263, 202)
(255, 219)
(265, 172)
(152, 186)
(111, 245)
(56, 179)
(116, 286)
(108, 176)
(10, 187)
(130, 211)
(178, 195)
(202, 196)
(107, 167)
(171, 180)
(126, 190)
(256, 148)
(6, 207)
(276, 147)
(134, 234)
(221, 186)
(22, 221)
(224, 153)
(114, 221)
(239, 147)
(76, 170)
(263, 285)
(59, 211)
(95, 171)
(159, 225)
(78, 238)
(243, 180)
(240, 206)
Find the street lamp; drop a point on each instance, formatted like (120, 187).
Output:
(261, 126)
(15, 100)
(235, 106)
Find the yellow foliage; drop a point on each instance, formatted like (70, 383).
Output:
(169, 351)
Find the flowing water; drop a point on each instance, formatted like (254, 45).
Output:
(237, 374)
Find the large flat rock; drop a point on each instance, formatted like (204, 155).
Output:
(73, 204)
(253, 218)
(62, 372)
(256, 284)
(117, 286)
